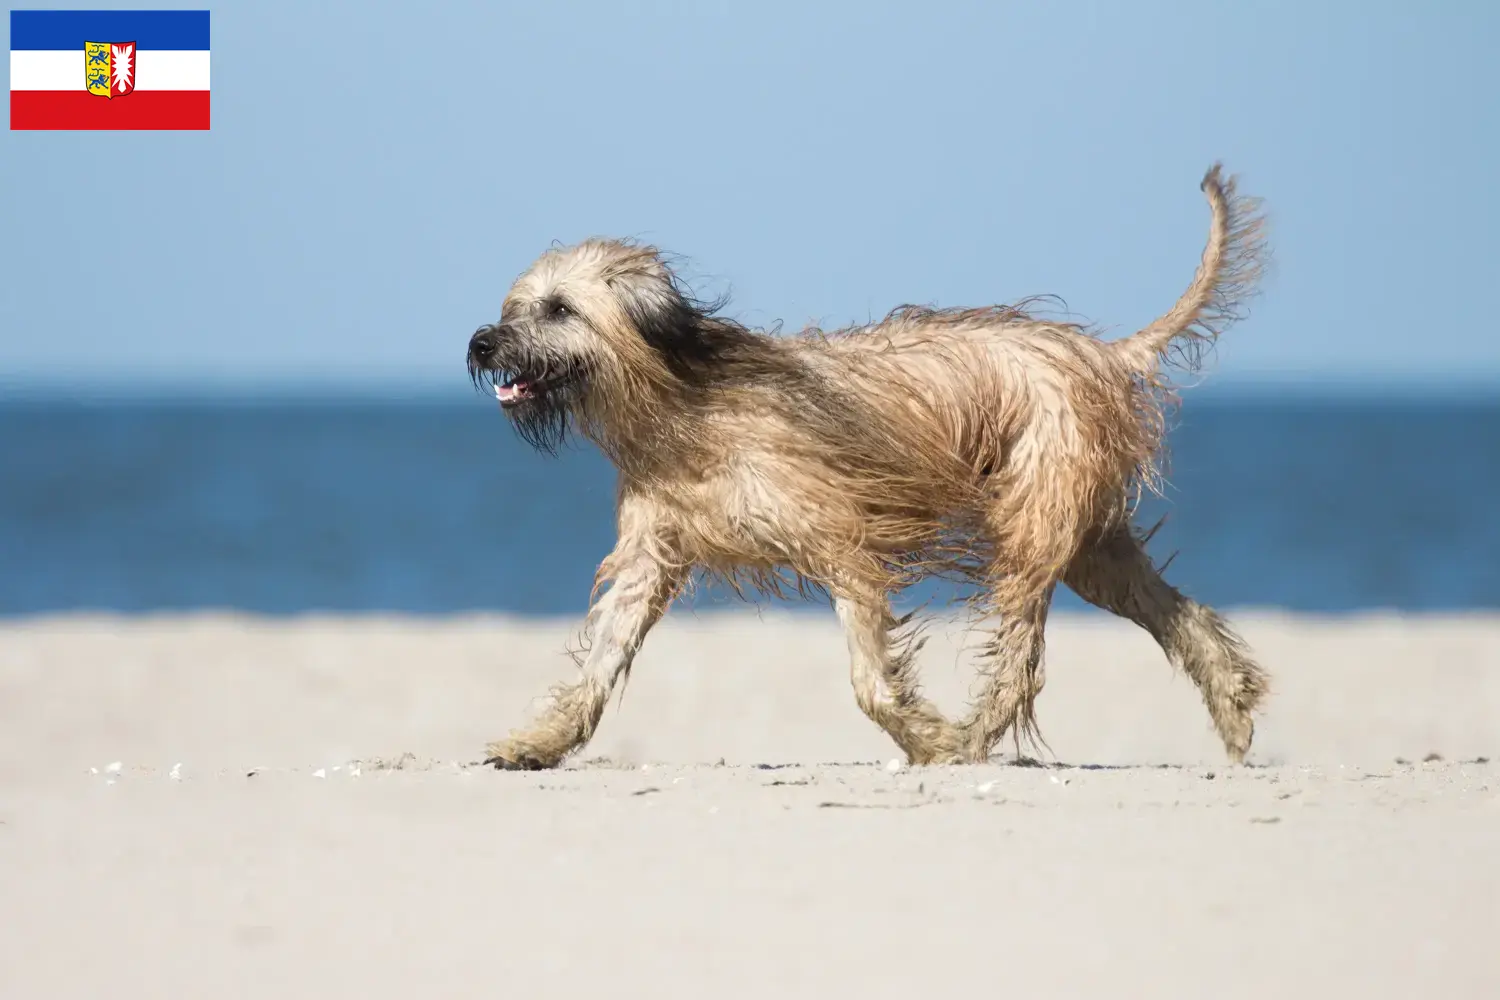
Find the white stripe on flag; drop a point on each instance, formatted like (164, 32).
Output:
(156, 69)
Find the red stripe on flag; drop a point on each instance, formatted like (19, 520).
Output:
(78, 109)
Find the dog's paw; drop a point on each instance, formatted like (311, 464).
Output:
(524, 764)
(504, 757)
(940, 755)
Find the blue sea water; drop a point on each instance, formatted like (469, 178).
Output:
(1327, 506)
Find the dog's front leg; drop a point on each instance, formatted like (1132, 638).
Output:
(643, 578)
(885, 682)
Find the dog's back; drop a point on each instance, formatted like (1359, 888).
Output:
(1017, 395)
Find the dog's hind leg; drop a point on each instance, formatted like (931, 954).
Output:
(643, 583)
(1013, 673)
(1116, 574)
(885, 684)
(1034, 530)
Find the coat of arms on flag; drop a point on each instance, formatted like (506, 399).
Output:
(109, 68)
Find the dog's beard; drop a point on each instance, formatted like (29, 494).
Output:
(544, 423)
(540, 407)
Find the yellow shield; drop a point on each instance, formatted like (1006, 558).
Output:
(96, 67)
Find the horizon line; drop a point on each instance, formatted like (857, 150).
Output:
(1249, 387)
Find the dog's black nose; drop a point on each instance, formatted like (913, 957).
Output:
(483, 344)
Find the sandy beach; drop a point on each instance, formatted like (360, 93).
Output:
(221, 806)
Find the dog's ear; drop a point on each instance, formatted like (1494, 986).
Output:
(669, 324)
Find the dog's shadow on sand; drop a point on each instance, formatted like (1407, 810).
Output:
(1028, 762)
(1061, 765)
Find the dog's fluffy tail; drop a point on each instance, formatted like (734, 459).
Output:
(1227, 277)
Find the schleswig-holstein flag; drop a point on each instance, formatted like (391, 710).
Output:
(109, 69)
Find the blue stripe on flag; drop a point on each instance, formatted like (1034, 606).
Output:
(55, 30)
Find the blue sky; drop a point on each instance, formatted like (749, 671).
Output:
(377, 174)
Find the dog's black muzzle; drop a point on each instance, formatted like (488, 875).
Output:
(485, 345)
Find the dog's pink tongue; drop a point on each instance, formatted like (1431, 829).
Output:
(507, 393)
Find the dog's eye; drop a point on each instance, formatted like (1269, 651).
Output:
(558, 310)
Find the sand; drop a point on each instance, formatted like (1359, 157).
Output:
(296, 812)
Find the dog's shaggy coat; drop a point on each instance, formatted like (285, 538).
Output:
(979, 444)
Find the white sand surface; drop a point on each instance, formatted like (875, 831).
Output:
(297, 813)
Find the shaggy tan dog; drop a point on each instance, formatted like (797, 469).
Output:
(981, 444)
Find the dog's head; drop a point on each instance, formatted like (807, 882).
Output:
(587, 331)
